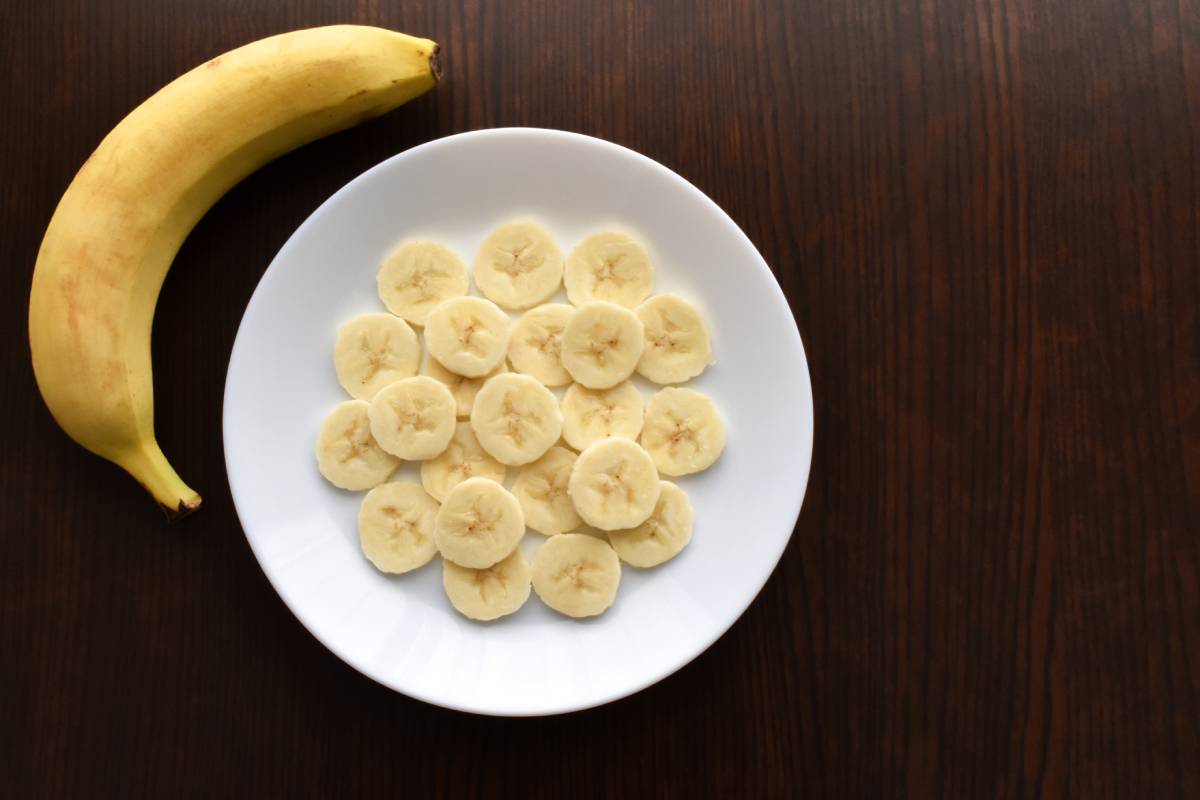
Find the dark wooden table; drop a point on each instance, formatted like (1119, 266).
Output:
(985, 217)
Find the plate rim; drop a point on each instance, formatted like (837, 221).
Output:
(238, 350)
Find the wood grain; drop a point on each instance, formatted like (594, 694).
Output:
(984, 215)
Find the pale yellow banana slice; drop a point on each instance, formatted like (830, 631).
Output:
(416, 276)
(541, 489)
(602, 344)
(468, 335)
(395, 526)
(413, 418)
(463, 389)
(576, 574)
(536, 343)
(661, 537)
(519, 266)
(609, 266)
(463, 458)
(683, 432)
(479, 524)
(590, 415)
(515, 418)
(614, 484)
(347, 454)
(489, 593)
(373, 350)
(677, 345)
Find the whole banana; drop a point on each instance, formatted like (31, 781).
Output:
(116, 230)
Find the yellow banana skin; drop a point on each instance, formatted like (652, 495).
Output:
(118, 227)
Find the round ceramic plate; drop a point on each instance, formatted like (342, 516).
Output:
(401, 630)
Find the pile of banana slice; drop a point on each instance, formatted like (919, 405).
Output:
(586, 467)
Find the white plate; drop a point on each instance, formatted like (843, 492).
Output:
(401, 630)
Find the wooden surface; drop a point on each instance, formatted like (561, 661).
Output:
(985, 217)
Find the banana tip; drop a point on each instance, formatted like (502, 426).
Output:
(182, 510)
(435, 63)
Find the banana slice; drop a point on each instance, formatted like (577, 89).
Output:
(516, 418)
(395, 527)
(468, 335)
(576, 574)
(416, 276)
(519, 266)
(491, 593)
(347, 454)
(541, 489)
(609, 266)
(536, 343)
(683, 432)
(462, 459)
(614, 485)
(413, 418)
(590, 415)
(479, 524)
(661, 537)
(373, 350)
(602, 344)
(463, 389)
(677, 346)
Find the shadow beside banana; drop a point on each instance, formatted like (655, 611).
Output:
(118, 227)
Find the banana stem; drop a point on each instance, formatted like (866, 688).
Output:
(152, 470)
